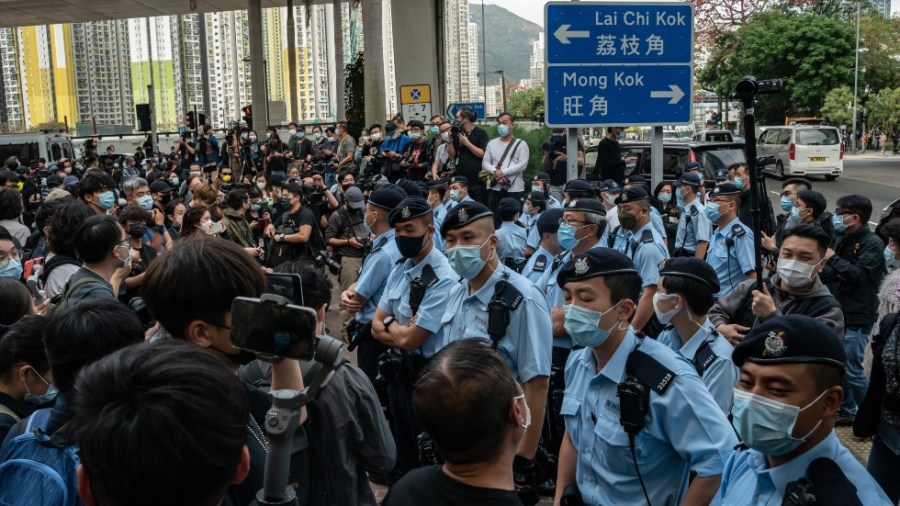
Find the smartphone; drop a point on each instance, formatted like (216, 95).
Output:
(273, 331)
(216, 227)
(289, 286)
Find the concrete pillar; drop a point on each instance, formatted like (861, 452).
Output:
(340, 108)
(292, 63)
(373, 25)
(417, 63)
(332, 59)
(314, 14)
(257, 69)
(204, 69)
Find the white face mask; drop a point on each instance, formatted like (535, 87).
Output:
(795, 274)
(527, 411)
(664, 317)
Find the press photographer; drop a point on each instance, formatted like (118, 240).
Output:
(467, 146)
(554, 161)
(348, 235)
(295, 234)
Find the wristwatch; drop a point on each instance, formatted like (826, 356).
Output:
(388, 321)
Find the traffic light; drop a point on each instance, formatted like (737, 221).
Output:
(192, 120)
(248, 116)
(718, 119)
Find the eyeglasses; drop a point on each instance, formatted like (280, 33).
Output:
(570, 221)
(11, 255)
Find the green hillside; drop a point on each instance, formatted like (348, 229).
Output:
(508, 41)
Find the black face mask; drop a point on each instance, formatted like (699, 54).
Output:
(345, 186)
(410, 246)
(137, 230)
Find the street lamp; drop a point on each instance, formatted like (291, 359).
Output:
(502, 87)
(855, 80)
(266, 71)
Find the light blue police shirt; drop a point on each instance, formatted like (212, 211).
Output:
(693, 226)
(731, 263)
(647, 250)
(526, 345)
(721, 375)
(537, 265)
(511, 244)
(374, 273)
(684, 430)
(657, 222)
(395, 299)
(748, 480)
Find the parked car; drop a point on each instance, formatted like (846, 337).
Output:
(676, 155)
(713, 136)
(802, 150)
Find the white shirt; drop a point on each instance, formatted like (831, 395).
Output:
(513, 166)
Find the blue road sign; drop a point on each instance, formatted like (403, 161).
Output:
(613, 64)
(453, 108)
(594, 33)
(617, 95)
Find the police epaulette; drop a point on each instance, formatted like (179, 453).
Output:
(649, 371)
(647, 236)
(540, 264)
(737, 230)
(703, 358)
(428, 278)
(512, 297)
(694, 211)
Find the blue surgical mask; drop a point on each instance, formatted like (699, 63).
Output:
(175, 181)
(415, 135)
(786, 204)
(795, 213)
(739, 183)
(503, 130)
(434, 129)
(837, 221)
(106, 200)
(665, 198)
(11, 269)
(466, 260)
(255, 207)
(40, 400)
(889, 258)
(145, 202)
(767, 425)
(566, 236)
(454, 195)
(712, 211)
(583, 325)
(679, 198)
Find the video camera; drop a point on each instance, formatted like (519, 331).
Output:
(749, 86)
(312, 195)
(324, 259)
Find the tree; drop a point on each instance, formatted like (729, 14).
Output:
(526, 103)
(879, 50)
(838, 108)
(884, 109)
(713, 18)
(813, 54)
(354, 95)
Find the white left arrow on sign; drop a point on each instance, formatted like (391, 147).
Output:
(675, 94)
(563, 34)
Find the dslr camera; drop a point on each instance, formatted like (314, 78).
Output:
(324, 259)
(312, 195)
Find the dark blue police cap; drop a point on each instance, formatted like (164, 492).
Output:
(459, 179)
(463, 214)
(721, 174)
(632, 194)
(690, 268)
(587, 205)
(635, 179)
(610, 186)
(548, 222)
(409, 209)
(536, 197)
(593, 263)
(508, 207)
(437, 183)
(579, 188)
(411, 188)
(688, 179)
(791, 339)
(386, 197)
(692, 166)
(725, 189)
(541, 176)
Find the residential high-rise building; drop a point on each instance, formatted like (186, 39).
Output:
(475, 91)
(13, 117)
(459, 77)
(882, 7)
(103, 72)
(537, 61)
(166, 93)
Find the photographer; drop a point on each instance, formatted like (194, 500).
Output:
(467, 147)
(610, 164)
(200, 313)
(346, 147)
(134, 221)
(505, 160)
(392, 149)
(370, 162)
(208, 150)
(416, 159)
(442, 163)
(348, 235)
(554, 161)
(186, 153)
(248, 148)
(274, 150)
(296, 234)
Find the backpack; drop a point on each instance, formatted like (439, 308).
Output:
(62, 301)
(54, 262)
(37, 470)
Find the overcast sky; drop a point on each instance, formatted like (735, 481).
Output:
(533, 10)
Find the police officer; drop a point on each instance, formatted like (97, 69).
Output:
(408, 315)
(637, 180)
(784, 411)
(578, 189)
(535, 205)
(731, 245)
(459, 192)
(540, 262)
(511, 236)
(437, 196)
(496, 304)
(609, 192)
(541, 183)
(638, 419)
(697, 169)
(685, 293)
(692, 236)
(362, 297)
(647, 250)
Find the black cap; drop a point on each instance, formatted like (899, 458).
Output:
(635, 179)
(725, 189)
(541, 176)
(54, 181)
(409, 209)
(579, 188)
(688, 179)
(463, 214)
(593, 263)
(548, 222)
(459, 179)
(791, 339)
(277, 180)
(160, 186)
(390, 126)
(508, 207)
(386, 198)
(721, 174)
(632, 194)
(536, 197)
(587, 206)
(693, 166)
(411, 188)
(691, 268)
(437, 183)
(610, 186)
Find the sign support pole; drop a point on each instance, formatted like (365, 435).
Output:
(571, 154)
(656, 156)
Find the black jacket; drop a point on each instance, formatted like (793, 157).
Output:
(854, 274)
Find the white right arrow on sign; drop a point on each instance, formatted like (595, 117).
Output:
(563, 34)
(674, 94)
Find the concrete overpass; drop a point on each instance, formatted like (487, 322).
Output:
(418, 59)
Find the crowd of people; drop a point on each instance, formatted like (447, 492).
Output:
(591, 340)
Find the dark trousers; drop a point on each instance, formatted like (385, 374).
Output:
(405, 427)
(554, 426)
(883, 465)
(495, 196)
(477, 190)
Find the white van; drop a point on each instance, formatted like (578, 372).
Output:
(27, 147)
(803, 150)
